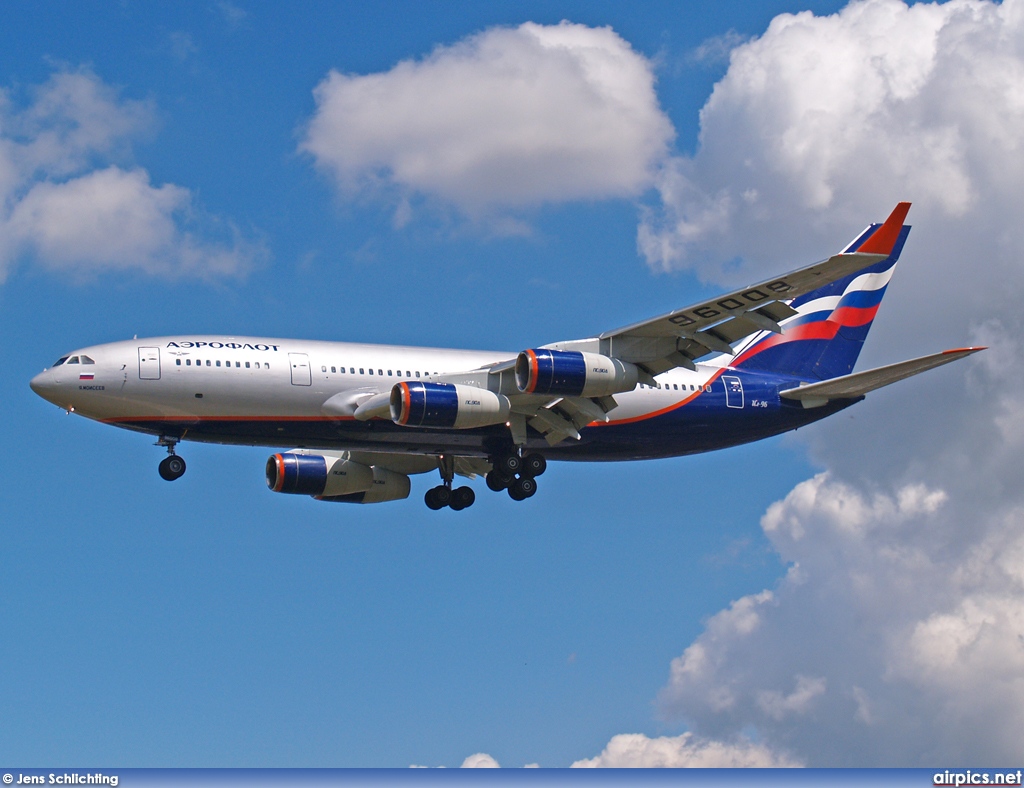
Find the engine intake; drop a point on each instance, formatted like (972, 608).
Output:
(573, 374)
(419, 404)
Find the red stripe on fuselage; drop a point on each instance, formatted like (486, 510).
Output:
(201, 419)
(662, 411)
(822, 329)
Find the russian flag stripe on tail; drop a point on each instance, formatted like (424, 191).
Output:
(824, 340)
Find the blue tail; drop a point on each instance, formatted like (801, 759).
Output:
(824, 340)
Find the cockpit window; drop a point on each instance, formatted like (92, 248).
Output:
(60, 361)
(87, 360)
(73, 360)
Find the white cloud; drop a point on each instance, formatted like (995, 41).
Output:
(634, 750)
(480, 760)
(823, 123)
(64, 204)
(72, 120)
(778, 706)
(506, 119)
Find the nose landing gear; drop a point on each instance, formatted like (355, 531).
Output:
(172, 466)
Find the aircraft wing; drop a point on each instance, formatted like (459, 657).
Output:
(679, 338)
(858, 384)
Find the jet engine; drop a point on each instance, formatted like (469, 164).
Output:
(573, 374)
(334, 478)
(419, 404)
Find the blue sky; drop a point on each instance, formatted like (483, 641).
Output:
(212, 623)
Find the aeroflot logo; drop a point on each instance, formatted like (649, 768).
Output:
(231, 345)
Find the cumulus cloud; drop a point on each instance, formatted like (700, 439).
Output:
(480, 760)
(505, 119)
(823, 123)
(66, 205)
(634, 750)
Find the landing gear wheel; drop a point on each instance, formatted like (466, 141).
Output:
(508, 464)
(497, 481)
(462, 498)
(534, 465)
(438, 497)
(522, 488)
(171, 467)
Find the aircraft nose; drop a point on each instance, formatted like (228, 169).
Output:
(44, 385)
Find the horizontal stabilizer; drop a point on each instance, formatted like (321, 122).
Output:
(860, 383)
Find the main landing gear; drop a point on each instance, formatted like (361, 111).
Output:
(516, 474)
(172, 466)
(512, 472)
(443, 495)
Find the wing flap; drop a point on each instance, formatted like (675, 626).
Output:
(860, 383)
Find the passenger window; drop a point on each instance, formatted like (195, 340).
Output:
(362, 371)
(188, 362)
(247, 365)
(238, 364)
(323, 369)
(73, 360)
(371, 371)
(417, 373)
(380, 371)
(177, 362)
(352, 370)
(389, 373)
(208, 362)
(408, 374)
(257, 365)
(87, 360)
(218, 363)
(332, 370)
(267, 365)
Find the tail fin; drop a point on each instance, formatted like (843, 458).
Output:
(825, 338)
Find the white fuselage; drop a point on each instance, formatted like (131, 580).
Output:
(260, 391)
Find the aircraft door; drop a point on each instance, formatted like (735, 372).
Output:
(149, 363)
(733, 391)
(299, 363)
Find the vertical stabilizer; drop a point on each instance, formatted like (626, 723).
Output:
(825, 338)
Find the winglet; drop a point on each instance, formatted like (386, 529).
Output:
(882, 240)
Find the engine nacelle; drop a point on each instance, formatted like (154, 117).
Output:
(387, 486)
(419, 404)
(317, 474)
(573, 374)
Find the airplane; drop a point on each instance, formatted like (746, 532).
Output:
(352, 422)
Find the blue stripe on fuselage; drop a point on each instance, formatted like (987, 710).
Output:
(704, 423)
